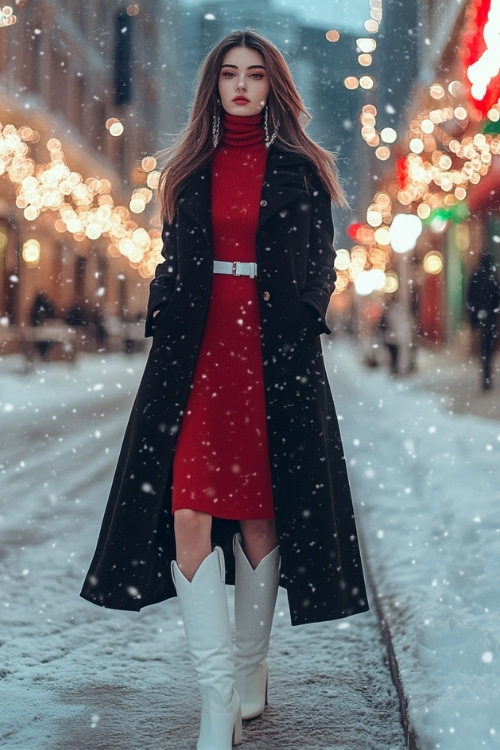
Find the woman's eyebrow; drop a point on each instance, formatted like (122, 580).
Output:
(250, 67)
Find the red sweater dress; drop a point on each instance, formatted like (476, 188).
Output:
(221, 464)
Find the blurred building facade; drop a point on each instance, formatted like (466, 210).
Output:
(442, 162)
(87, 90)
(460, 140)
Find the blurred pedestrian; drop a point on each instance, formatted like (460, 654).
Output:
(76, 316)
(42, 311)
(234, 427)
(98, 323)
(483, 305)
(396, 328)
(369, 316)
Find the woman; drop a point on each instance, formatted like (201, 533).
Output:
(234, 428)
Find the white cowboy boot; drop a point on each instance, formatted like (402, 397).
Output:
(254, 602)
(208, 631)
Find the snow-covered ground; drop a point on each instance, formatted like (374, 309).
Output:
(74, 676)
(427, 490)
(427, 484)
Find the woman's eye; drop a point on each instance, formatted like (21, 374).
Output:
(227, 74)
(258, 76)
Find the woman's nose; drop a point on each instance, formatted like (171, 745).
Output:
(240, 84)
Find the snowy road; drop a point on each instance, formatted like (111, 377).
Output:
(74, 676)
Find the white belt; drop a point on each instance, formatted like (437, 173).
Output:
(236, 268)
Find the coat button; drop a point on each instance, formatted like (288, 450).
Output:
(266, 296)
(263, 203)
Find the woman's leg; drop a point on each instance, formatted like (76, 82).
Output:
(192, 539)
(259, 538)
(487, 349)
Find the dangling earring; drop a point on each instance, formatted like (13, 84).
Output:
(268, 140)
(216, 126)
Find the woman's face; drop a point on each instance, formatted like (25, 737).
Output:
(243, 82)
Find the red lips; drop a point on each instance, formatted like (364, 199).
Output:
(240, 100)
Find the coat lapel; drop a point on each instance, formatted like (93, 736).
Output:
(283, 182)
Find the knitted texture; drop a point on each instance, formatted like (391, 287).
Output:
(221, 464)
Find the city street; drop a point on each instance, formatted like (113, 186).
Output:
(76, 676)
(159, 166)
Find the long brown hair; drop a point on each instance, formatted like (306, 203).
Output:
(287, 114)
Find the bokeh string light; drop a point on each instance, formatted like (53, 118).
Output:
(445, 156)
(84, 207)
(432, 181)
(7, 17)
(371, 253)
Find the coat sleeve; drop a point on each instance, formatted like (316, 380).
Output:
(320, 272)
(163, 284)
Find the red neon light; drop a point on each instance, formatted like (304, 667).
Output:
(473, 48)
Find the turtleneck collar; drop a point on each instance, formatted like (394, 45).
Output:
(242, 131)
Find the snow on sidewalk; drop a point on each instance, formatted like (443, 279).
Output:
(427, 486)
(77, 676)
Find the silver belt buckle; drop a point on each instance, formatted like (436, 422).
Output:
(235, 266)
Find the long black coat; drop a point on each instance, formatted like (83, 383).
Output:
(317, 535)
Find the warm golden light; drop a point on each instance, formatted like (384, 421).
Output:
(445, 162)
(371, 26)
(382, 236)
(31, 252)
(373, 216)
(365, 44)
(342, 259)
(365, 60)
(148, 163)
(332, 35)
(116, 129)
(440, 163)
(423, 211)
(7, 17)
(83, 207)
(391, 282)
(455, 88)
(433, 263)
(366, 82)
(383, 153)
(383, 200)
(388, 135)
(436, 91)
(351, 82)
(152, 180)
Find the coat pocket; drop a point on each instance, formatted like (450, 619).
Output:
(162, 319)
(311, 319)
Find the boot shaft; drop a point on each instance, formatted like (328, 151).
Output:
(255, 596)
